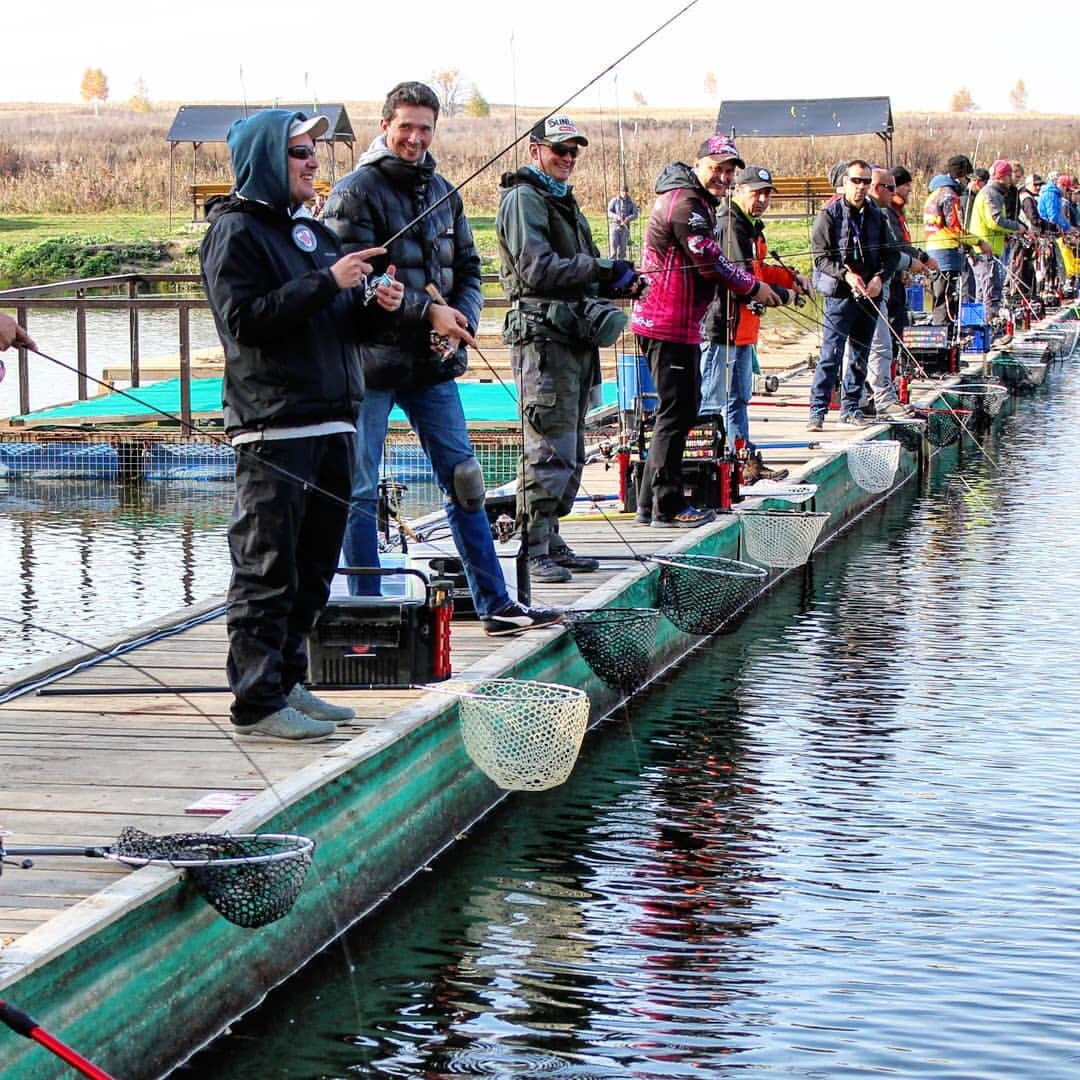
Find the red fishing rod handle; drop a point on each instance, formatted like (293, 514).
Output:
(24, 1024)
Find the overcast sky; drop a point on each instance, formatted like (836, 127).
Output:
(520, 51)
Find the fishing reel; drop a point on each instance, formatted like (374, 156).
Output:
(371, 285)
(442, 346)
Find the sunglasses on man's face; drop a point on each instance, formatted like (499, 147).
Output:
(887, 187)
(302, 153)
(859, 179)
(563, 149)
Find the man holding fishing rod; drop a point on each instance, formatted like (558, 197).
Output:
(561, 314)
(853, 256)
(289, 310)
(414, 364)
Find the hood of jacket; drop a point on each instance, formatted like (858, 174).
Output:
(680, 175)
(259, 147)
(944, 180)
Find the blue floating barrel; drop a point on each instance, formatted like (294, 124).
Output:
(635, 380)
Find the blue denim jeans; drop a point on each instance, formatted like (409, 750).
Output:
(845, 319)
(727, 384)
(438, 419)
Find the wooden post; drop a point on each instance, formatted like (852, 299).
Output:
(185, 367)
(133, 332)
(80, 342)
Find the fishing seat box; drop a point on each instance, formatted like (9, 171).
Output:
(397, 639)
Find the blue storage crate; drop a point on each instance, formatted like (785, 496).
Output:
(635, 381)
(916, 298)
(980, 337)
(972, 314)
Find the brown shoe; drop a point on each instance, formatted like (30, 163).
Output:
(756, 469)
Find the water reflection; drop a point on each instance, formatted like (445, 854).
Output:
(837, 842)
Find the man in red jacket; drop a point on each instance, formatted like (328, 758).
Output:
(731, 327)
(684, 263)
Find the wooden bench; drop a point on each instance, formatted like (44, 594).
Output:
(201, 192)
(799, 196)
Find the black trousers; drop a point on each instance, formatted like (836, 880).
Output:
(292, 499)
(676, 373)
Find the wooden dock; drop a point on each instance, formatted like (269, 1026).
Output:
(119, 743)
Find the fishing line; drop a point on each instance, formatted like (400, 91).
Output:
(525, 134)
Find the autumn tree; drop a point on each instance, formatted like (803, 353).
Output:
(962, 101)
(449, 87)
(477, 105)
(710, 84)
(1018, 96)
(639, 99)
(140, 100)
(94, 87)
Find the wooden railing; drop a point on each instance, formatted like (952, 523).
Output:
(203, 191)
(801, 195)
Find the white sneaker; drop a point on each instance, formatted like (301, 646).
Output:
(302, 699)
(285, 725)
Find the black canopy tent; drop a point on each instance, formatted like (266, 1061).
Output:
(198, 124)
(801, 117)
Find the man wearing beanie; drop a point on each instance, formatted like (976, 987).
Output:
(685, 262)
(990, 223)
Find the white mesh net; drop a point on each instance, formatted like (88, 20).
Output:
(523, 735)
(873, 463)
(986, 397)
(783, 538)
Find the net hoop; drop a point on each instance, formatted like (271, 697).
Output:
(873, 463)
(781, 538)
(984, 397)
(909, 433)
(699, 593)
(616, 643)
(250, 879)
(780, 489)
(943, 427)
(524, 736)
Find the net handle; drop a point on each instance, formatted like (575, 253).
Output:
(301, 845)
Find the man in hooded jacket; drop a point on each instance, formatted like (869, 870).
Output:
(395, 191)
(289, 314)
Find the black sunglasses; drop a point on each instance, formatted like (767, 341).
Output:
(859, 179)
(887, 187)
(563, 149)
(302, 153)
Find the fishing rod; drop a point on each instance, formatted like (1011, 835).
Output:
(24, 1024)
(525, 134)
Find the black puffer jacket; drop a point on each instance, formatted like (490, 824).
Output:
(375, 201)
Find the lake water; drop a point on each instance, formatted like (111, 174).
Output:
(840, 841)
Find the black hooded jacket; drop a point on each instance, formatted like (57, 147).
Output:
(376, 201)
(290, 334)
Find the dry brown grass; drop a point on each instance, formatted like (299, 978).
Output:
(63, 159)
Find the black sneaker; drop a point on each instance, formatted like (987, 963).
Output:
(545, 569)
(516, 619)
(579, 564)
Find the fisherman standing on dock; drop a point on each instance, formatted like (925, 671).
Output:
(386, 196)
(685, 259)
(853, 256)
(288, 311)
(552, 272)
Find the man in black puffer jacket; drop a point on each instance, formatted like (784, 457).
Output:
(395, 189)
(289, 315)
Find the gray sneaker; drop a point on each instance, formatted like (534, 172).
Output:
(285, 725)
(816, 422)
(543, 568)
(303, 700)
(854, 419)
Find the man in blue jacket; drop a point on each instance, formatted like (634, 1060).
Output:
(289, 314)
(396, 190)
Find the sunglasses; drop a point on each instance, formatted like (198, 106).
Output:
(563, 149)
(887, 187)
(859, 179)
(302, 153)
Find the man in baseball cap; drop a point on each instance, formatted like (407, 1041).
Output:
(555, 130)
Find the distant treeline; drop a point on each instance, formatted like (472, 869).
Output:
(64, 159)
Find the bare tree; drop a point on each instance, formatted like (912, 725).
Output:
(962, 101)
(140, 100)
(1018, 96)
(450, 88)
(710, 84)
(94, 87)
(639, 99)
